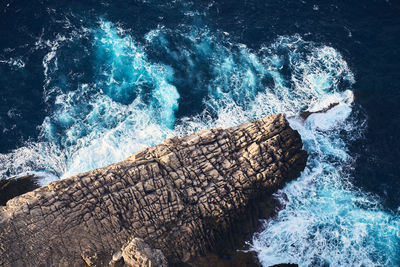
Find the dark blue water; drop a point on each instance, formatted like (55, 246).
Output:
(87, 83)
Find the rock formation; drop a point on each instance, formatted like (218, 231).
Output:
(304, 115)
(171, 202)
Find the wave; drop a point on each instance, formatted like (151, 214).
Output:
(109, 95)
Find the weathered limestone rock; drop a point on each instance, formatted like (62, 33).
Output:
(178, 197)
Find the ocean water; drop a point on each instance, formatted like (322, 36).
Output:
(86, 84)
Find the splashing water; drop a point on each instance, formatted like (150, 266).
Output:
(128, 104)
(326, 222)
(128, 96)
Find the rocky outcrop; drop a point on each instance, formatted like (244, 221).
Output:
(176, 199)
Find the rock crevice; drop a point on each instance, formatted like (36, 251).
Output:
(178, 198)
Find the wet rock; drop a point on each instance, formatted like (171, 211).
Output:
(183, 198)
(304, 115)
(13, 187)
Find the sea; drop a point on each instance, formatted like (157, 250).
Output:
(87, 83)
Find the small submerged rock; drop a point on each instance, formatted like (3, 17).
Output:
(304, 115)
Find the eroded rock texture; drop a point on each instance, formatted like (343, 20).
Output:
(177, 197)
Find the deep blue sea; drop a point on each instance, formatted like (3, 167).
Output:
(87, 83)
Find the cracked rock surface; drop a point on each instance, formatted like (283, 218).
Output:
(176, 198)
